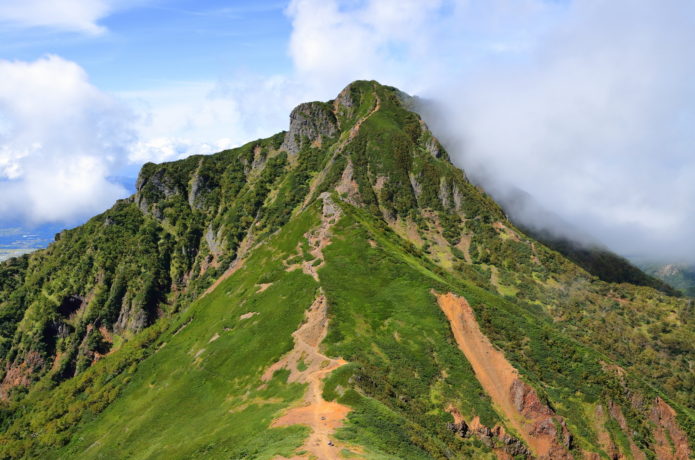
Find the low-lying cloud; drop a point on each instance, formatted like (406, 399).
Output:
(587, 105)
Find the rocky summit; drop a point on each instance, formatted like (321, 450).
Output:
(339, 290)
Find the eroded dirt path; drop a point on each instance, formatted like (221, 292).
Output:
(318, 238)
(305, 361)
(534, 421)
(308, 365)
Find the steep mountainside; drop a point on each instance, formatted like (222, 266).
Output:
(337, 290)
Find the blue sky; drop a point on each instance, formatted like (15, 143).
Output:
(159, 41)
(585, 104)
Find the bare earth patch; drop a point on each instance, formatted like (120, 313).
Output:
(503, 229)
(671, 440)
(464, 245)
(262, 287)
(248, 315)
(534, 421)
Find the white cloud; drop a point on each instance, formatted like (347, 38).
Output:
(334, 42)
(61, 138)
(72, 15)
(187, 118)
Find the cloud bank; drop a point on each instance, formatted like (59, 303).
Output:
(587, 105)
(60, 139)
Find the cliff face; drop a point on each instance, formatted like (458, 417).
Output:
(189, 293)
(310, 123)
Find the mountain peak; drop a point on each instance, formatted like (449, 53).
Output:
(310, 122)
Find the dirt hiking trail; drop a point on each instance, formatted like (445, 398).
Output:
(323, 417)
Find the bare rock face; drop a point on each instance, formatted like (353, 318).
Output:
(309, 123)
(510, 444)
(20, 373)
(213, 240)
(526, 399)
(495, 438)
(671, 440)
(544, 423)
(459, 428)
(159, 184)
(197, 186)
(435, 148)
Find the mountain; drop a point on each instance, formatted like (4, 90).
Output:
(337, 290)
(680, 276)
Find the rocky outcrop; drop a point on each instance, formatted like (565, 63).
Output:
(131, 318)
(309, 123)
(194, 193)
(158, 187)
(214, 241)
(444, 193)
(417, 187)
(345, 104)
(457, 197)
(671, 442)
(434, 148)
(20, 373)
(495, 438)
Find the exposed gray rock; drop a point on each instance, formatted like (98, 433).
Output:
(458, 197)
(330, 209)
(459, 429)
(434, 147)
(259, 158)
(345, 98)
(309, 122)
(444, 193)
(417, 188)
(194, 192)
(213, 241)
(131, 318)
(492, 438)
(157, 185)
